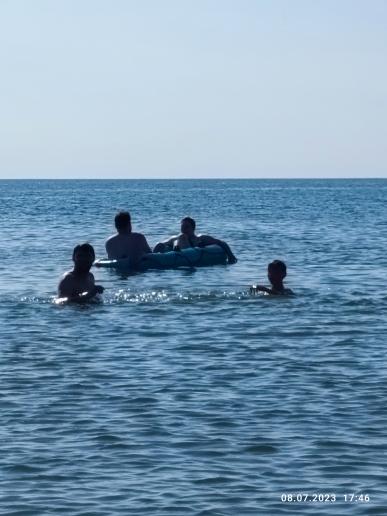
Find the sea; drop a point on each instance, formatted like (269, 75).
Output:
(180, 393)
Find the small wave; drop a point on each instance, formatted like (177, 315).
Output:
(125, 296)
(128, 296)
(35, 300)
(163, 296)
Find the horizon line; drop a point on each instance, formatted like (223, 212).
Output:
(294, 178)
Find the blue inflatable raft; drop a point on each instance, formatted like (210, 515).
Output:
(191, 257)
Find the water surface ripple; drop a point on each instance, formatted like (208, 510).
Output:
(180, 393)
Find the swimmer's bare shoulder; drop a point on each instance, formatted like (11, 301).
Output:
(110, 245)
(111, 239)
(66, 285)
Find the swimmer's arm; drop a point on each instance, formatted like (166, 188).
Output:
(146, 247)
(94, 289)
(66, 289)
(260, 288)
(109, 249)
(209, 240)
(165, 245)
(170, 241)
(86, 296)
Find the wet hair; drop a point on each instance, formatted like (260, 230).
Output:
(122, 220)
(85, 248)
(278, 266)
(190, 221)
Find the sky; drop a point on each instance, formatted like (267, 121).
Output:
(193, 88)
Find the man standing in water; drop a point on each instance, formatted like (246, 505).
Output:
(188, 238)
(126, 244)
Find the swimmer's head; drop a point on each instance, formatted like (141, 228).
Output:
(188, 226)
(276, 272)
(83, 257)
(122, 221)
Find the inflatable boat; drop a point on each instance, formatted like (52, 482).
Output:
(191, 257)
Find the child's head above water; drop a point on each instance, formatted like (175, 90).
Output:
(83, 257)
(276, 272)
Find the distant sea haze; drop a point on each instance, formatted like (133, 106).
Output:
(181, 393)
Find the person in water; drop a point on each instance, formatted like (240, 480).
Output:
(276, 272)
(78, 285)
(188, 238)
(125, 243)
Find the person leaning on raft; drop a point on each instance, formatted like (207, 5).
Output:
(188, 238)
(125, 243)
(78, 285)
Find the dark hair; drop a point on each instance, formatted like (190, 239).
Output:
(278, 266)
(86, 248)
(190, 221)
(122, 220)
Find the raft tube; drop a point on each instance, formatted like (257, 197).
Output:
(191, 257)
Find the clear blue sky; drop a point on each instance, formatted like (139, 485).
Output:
(193, 88)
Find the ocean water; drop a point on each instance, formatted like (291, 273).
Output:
(182, 394)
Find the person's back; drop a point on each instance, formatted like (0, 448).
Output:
(126, 244)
